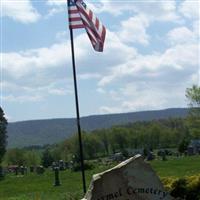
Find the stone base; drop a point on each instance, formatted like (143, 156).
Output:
(132, 179)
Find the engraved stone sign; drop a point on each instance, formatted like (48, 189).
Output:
(132, 179)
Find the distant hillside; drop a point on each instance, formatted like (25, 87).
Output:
(40, 132)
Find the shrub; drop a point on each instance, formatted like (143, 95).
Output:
(77, 166)
(179, 188)
(185, 188)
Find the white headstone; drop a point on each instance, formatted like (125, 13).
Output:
(132, 179)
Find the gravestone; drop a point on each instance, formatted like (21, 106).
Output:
(40, 169)
(2, 174)
(132, 179)
(61, 165)
(22, 170)
(150, 156)
(16, 170)
(57, 180)
(32, 169)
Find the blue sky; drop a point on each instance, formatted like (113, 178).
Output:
(151, 56)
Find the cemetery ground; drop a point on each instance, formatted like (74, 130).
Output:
(40, 187)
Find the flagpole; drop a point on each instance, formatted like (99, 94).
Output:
(77, 112)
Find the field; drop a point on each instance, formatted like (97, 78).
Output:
(40, 187)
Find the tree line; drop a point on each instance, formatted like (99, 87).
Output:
(156, 134)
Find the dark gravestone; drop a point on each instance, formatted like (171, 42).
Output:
(22, 170)
(16, 170)
(1, 173)
(57, 180)
(40, 170)
(67, 165)
(61, 165)
(32, 169)
(164, 158)
(25, 170)
(150, 156)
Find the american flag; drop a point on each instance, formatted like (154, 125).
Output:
(82, 17)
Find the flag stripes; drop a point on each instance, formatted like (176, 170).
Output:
(82, 17)
(75, 20)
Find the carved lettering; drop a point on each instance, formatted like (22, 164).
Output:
(132, 192)
(111, 196)
(152, 191)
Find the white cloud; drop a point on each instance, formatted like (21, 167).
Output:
(181, 35)
(144, 82)
(54, 11)
(56, 2)
(178, 58)
(190, 9)
(146, 95)
(158, 10)
(155, 10)
(144, 100)
(140, 100)
(196, 28)
(131, 81)
(109, 109)
(23, 63)
(121, 50)
(30, 93)
(59, 92)
(33, 71)
(56, 7)
(47, 64)
(62, 36)
(101, 90)
(94, 62)
(133, 30)
(181, 56)
(22, 98)
(22, 11)
(87, 76)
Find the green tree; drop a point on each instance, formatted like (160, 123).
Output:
(65, 150)
(74, 148)
(153, 136)
(104, 139)
(16, 157)
(3, 136)
(91, 146)
(56, 154)
(47, 158)
(193, 96)
(118, 139)
(183, 145)
(32, 158)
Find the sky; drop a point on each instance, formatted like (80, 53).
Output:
(151, 56)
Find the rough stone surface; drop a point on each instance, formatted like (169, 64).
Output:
(132, 179)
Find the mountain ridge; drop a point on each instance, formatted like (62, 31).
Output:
(49, 131)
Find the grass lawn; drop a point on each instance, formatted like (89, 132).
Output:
(40, 187)
(177, 167)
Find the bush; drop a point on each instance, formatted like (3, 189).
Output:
(193, 187)
(77, 166)
(186, 188)
(179, 188)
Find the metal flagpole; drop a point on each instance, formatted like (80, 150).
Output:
(77, 112)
